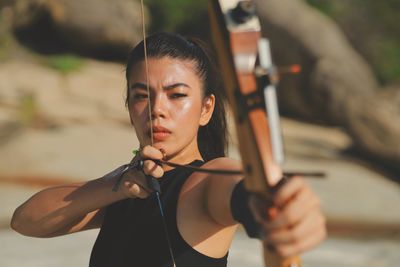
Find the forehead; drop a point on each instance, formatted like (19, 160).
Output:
(166, 69)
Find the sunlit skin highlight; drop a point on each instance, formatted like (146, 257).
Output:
(203, 212)
(178, 107)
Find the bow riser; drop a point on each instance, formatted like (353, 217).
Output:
(241, 82)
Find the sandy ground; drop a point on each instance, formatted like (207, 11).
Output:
(74, 250)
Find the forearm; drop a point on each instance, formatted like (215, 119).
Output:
(63, 207)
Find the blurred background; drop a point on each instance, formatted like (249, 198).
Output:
(63, 119)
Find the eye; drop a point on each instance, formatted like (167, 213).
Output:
(139, 96)
(178, 95)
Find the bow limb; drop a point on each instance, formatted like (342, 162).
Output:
(236, 33)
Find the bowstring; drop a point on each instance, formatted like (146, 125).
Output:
(151, 131)
(147, 71)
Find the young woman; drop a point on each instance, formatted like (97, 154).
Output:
(187, 126)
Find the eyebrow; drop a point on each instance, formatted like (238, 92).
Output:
(168, 87)
(138, 86)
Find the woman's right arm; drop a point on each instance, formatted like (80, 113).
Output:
(71, 208)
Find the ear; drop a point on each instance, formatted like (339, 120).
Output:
(207, 109)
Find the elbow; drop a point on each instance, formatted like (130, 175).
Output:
(23, 225)
(16, 222)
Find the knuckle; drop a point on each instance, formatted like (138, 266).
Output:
(158, 172)
(321, 220)
(151, 168)
(323, 228)
(295, 236)
(281, 251)
(316, 201)
(289, 217)
(148, 165)
(145, 150)
(301, 181)
(299, 247)
(129, 191)
(308, 193)
(324, 233)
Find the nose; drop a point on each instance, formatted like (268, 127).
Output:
(158, 107)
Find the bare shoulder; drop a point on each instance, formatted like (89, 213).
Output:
(218, 182)
(212, 192)
(223, 163)
(207, 179)
(204, 205)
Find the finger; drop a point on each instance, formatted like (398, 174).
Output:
(296, 209)
(150, 152)
(294, 248)
(152, 169)
(288, 190)
(307, 227)
(135, 190)
(134, 185)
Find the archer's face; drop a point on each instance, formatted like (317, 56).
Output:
(176, 106)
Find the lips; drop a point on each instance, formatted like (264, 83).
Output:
(160, 133)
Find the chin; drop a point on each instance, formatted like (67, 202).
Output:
(161, 146)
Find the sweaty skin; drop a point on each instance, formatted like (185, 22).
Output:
(178, 109)
(204, 202)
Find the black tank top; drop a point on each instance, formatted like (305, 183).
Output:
(129, 240)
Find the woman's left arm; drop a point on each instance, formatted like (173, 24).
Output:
(297, 224)
(219, 191)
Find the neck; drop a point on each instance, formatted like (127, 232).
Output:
(185, 156)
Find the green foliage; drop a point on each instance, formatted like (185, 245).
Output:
(327, 7)
(64, 63)
(5, 44)
(389, 62)
(372, 28)
(182, 16)
(27, 109)
(6, 39)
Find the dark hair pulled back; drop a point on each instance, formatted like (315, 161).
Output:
(212, 138)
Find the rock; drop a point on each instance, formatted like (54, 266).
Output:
(101, 28)
(57, 126)
(94, 94)
(333, 72)
(374, 124)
